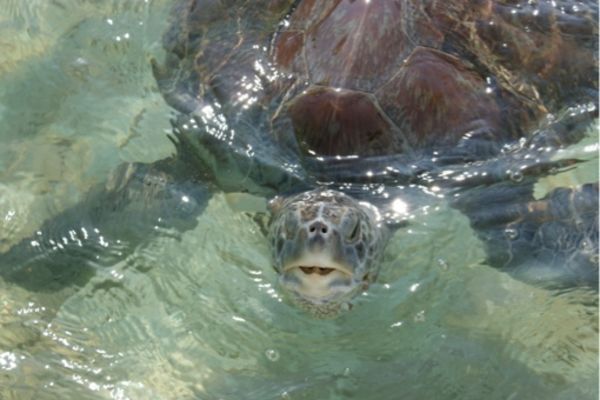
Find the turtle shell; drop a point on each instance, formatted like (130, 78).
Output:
(373, 77)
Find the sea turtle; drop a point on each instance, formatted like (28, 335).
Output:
(333, 95)
(348, 113)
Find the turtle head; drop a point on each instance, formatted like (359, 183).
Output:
(326, 248)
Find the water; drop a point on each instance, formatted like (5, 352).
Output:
(196, 315)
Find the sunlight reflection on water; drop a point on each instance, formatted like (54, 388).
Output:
(197, 315)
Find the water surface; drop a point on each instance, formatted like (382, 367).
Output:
(196, 315)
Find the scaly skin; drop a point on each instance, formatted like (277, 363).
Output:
(326, 248)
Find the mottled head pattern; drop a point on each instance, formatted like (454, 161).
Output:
(326, 248)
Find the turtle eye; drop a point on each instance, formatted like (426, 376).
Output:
(355, 232)
(290, 226)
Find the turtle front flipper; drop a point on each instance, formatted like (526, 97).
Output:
(236, 160)
(551, 241)
(137, 203)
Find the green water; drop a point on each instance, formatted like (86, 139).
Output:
(196, 315)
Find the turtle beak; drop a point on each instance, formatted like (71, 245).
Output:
(318, 279)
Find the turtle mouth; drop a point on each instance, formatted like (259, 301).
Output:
(318, 266)
(318, 282)
(316, 270)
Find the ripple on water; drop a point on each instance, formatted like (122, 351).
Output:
(199, 315)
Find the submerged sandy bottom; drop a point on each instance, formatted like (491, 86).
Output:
(197, 315)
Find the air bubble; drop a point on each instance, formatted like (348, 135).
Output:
(511, 233)
(272, 355)
(442, 264)
(586, 245)
(420, 316)
(516, 176)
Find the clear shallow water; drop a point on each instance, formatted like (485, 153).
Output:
(196, 315)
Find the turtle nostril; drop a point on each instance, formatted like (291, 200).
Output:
(318, 227)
